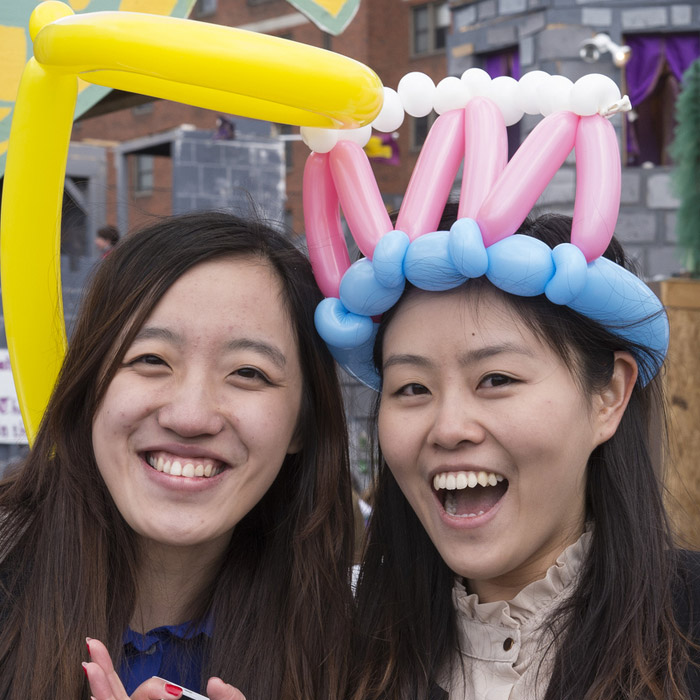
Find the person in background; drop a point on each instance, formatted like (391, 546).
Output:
(107, 237)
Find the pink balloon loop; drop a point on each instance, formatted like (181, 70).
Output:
(360, 198)
(432, 178)
(485, 153)
(527, 174)
(324, 234)
(598, 184)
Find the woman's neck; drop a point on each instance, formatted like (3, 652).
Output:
(170, 579)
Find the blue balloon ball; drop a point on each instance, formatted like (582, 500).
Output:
(361, 293)
(340, 328)
(570, 271)
(467, 250)
(520, 265)
(387, 259)
(428, 264)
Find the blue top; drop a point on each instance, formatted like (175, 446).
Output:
(173, 652)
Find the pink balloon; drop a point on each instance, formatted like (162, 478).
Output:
(359, 195)
(324, 234)
(432, 178)
(485, 153)
(598, 183)
(527, 174)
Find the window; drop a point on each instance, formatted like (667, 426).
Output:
(420, 126)
(653, 77)
(204, 8)
(505, 62)
(143, 174)
(429, 24)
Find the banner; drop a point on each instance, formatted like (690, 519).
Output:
(16, 49)
(332, 16)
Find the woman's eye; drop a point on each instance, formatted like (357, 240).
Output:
(412, 389)
(251, 373)
(495, 380)
(147, 360)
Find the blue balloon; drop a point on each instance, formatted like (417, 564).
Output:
(428, 264)
(361, 293)
(359, 362)
(466, 248)
(570, 271)
(387, 259)
(340, 328)
(520, 265)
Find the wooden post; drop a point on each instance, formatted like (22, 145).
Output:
(682, 386)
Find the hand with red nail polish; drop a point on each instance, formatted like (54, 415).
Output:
(105, 683)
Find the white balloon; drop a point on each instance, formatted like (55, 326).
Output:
(450, 93)
(592, 93)
(417, 93)
(391, 115)
(555, 94)
(319, 140)
(477, 80)
(504, 92)
(360, 136)
(528, 89)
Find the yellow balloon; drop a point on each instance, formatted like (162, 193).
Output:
(220, 68)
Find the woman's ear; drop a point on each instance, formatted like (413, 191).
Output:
(612, 401)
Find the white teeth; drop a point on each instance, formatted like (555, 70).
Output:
(462, 480)
(177, 468)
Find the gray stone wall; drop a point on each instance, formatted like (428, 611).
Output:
(547, 34)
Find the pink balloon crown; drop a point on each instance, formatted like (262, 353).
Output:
(496, 197)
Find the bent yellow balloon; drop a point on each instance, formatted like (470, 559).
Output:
(220, 68)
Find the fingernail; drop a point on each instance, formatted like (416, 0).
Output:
(84, 665)
(172, 689)
(87, 641)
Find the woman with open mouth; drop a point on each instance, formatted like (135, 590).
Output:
(187, 503)
(518, 546)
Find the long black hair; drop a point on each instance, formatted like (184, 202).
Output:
(616, 637)
(279, 600)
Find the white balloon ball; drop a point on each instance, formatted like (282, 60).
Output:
(477, 80)
(528, 88)
(319, 140)
(592, 93)
(450, 93)
(504, 92)
(391, 115)
(417, 93)
(360, 136)
(555, 94)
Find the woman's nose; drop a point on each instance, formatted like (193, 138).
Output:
(191, 409)
(456, 421)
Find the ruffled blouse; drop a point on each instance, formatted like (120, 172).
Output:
(506, 651)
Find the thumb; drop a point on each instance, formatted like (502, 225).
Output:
(218, 690)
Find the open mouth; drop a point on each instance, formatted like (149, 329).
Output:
(469, 494)
(183, 466)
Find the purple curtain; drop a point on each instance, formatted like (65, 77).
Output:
(503, 63)
(649, 54)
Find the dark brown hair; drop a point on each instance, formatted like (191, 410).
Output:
(280, 599)
(619, 639)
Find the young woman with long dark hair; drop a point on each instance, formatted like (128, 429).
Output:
(187, 501)
(518, 546)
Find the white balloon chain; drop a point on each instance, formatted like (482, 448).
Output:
(537, 92)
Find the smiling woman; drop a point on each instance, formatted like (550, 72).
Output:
(518, 535)
(187, 500)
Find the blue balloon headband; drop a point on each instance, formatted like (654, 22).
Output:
(602, 290)
(496, 197)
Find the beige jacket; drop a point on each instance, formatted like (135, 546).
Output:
(502, 642)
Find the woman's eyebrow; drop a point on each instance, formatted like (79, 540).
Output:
(406, 359)
(273, 353)
(260, 346)
(467, 358)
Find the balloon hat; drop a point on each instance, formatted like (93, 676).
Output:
(220, 68)
(496, 197)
